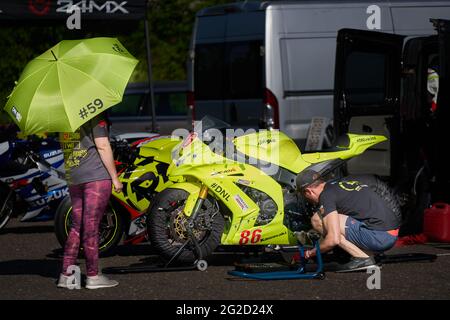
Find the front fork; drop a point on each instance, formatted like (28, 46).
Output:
(201, 198)
(191, 221)
(190, 226)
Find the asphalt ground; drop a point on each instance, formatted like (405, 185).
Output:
(30, 261)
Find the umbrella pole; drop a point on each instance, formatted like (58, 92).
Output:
(149, 70)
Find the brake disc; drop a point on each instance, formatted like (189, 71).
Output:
(177, 227)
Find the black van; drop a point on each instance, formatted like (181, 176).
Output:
(382, 86)
(133, 114)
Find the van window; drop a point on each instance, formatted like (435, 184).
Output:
(170, 104)
(365, 78)
(245, 70)
(209, 67)
(307, 64)
(232, 70)
(132, 105)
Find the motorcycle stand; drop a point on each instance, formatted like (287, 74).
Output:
(264, 271)
(198, 264)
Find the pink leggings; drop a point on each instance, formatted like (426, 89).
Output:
(89, 201)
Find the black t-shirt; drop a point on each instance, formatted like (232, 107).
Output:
(359, 202)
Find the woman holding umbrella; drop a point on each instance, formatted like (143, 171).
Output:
(65, 90)
(90, 169)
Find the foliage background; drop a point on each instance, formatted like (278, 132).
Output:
(170, 24)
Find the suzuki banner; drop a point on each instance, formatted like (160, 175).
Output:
(60, 9)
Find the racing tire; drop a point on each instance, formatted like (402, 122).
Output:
(110, 230)
(167, 205)
(383, 190)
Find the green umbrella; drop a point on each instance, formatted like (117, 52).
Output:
(70, 84)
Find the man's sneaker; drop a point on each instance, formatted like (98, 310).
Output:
(357, 264)
(100, 281)
(68, 282)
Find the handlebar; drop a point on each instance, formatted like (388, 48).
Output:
(122, 151)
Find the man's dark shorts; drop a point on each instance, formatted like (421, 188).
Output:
(373, 240)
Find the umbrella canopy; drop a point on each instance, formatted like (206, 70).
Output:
(70, 84)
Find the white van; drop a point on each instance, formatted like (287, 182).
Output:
(271, 64)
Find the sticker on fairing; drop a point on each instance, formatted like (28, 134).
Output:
(241, 203)
(243, 182)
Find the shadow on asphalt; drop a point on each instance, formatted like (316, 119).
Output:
(43, 268)
(442, 246)
(27, 230)
(122, 251)
(56, 253)
(222, 257)
(150, 262)
(217, 259)
(144, 249)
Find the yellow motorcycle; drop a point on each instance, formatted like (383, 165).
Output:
(240, 190)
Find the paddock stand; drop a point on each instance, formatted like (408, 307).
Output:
(199, 264)
(264, 271)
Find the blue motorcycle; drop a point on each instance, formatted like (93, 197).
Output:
(31, 179)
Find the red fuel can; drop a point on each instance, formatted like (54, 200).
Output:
(436, 224)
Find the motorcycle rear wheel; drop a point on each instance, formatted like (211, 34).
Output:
(110, 229)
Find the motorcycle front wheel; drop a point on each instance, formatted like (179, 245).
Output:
(110, 229)
(167, 227)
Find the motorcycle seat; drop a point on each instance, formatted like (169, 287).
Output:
(342, 144)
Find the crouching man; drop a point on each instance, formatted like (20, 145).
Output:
(351, 216)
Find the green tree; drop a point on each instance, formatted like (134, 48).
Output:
(18, 46)
(170, 24)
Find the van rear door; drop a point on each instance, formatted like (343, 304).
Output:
(443, 111)
(443, 29)
(366, 93)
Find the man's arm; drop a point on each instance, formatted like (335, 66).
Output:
(106, 154)
(333, 234)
